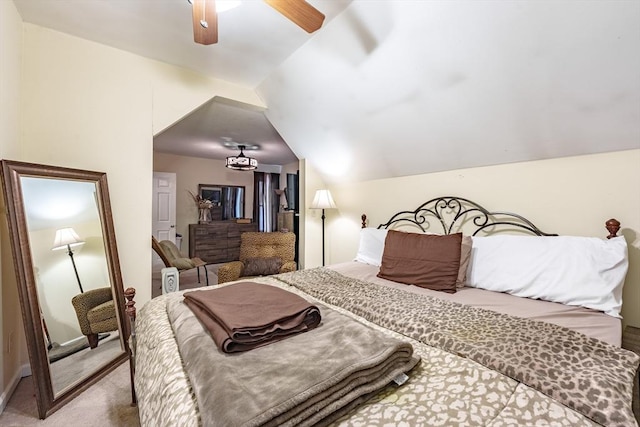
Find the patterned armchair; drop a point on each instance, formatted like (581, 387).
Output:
(96, 313)
(261, 254)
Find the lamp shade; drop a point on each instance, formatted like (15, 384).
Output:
(66, 237)
(323, 200)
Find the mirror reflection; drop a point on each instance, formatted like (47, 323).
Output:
(227, 201)
(68, 276)
(79, 321)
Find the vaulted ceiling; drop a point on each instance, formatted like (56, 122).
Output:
(390, 88)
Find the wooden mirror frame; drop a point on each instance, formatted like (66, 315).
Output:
(12, 171)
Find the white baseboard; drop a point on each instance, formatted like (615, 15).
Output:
(24, 371)
(81, 337)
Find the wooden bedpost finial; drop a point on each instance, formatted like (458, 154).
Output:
(613, 226)
(364, 220)
(130, 305)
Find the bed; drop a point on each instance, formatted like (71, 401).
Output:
(496, 354)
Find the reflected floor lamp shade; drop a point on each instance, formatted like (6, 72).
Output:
(67, 238)
(323, 200)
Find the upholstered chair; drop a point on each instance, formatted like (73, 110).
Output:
(261, 254)
(172, 257)
(96, 313)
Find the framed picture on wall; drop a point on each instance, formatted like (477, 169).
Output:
(211, 192)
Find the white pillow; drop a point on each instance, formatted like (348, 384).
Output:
(371, 246)
(582, 271)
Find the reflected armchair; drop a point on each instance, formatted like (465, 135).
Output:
(172, 257)
(261, 254)
(96, 313)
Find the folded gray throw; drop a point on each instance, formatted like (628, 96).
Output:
(307, 379)
(247, 315)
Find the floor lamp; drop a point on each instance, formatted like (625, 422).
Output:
(323, 200)
(66, 238)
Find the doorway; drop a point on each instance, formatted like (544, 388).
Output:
(164, 206)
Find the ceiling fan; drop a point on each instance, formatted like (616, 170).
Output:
(205, 19)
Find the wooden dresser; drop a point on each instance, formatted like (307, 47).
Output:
(218, 241)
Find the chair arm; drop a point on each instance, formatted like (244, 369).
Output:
(230, 271)
(84, 302)
(288, 266)
(182, 263)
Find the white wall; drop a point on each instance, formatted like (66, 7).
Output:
(459, 84)
(12, 344)
(569, 196)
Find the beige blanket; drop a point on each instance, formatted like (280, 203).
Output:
(308, 379)
(247, 315)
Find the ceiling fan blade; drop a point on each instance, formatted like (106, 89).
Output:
(300, 12)
(205, 22)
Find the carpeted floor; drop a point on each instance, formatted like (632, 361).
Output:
(58, 351)
(105, 404)
(68, 370)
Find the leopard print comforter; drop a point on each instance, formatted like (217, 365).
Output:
(590, 376)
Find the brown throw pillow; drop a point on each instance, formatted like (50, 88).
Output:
(465, 256)
(262, 266)
(426, 260)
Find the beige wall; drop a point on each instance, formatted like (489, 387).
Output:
(12, 345)
(570, 196)
(93, 107)
(88, 106)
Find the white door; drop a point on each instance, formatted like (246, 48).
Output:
(164, 206)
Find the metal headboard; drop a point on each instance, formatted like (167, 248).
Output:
(452, 213)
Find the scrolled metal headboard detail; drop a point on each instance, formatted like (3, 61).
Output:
(451, 213)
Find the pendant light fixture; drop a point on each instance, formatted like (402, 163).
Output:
(241, 162)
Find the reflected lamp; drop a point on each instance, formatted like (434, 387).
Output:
(67, 238)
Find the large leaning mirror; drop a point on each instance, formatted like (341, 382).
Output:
(68, 276)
